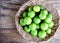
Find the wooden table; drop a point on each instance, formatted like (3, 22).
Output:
(8, 32)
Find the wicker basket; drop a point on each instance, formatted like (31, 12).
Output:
(49, 7)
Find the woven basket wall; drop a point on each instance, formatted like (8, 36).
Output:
(49, 7)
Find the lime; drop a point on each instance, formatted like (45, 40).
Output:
(27, 20)
(22, 22)
(42, 17)
(25, 14)
(42, 34)
(37, 20)
(44, 26)
(32, 26)
(36, 8)
(51, 24)
(31, 14)
(34, 32)
(26, 29)
(48, 31)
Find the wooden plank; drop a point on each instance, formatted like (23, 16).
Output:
(11, 36)
(11, 6)
(8, 12)
(0, 18)
(18, 2)
(0, 23)
(54, 1)
(8, 22)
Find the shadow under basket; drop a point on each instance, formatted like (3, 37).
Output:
(49, 7)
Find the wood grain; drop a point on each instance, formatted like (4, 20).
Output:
(54, 1)
(11, 36)
(8, 32)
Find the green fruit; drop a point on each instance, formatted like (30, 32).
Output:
(36, 8)
(42, 34)
(44, 12)
(44, 26)
(30, 8)
(42, 17)
(24, 14)
(48, 20)
(32, 26)
(37, 26)
(49, 15)
(51, 24)
(31, 14)
(26, 29)
(37, 20)
(22, 22)
(27, 20)
(34, 32)
(41, 7)
(48, 31)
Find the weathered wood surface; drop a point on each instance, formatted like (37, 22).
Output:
(8, 32)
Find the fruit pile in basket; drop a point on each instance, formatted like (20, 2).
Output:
(37, 21)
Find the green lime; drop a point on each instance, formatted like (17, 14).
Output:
(49, 15)
(32, 26)
(22, 22)
(27, 20)
(34, 32)
(42, 17)
(51, 24)
(25, 14)
(26, 29)
(31, 14)
(44, 26)
(44, 12)
(48, 31)
(42, 34)
(48, 20)
(36, 8)
(37, 20)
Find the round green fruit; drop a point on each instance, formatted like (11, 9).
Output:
(49, 15)
(31, 14)
(26, 29)
(36, 8)
(22, 22)
(48, 20)
(34, 32)
(32, 26)
(42, 34)
(27, 20)
(51, 24)
(24, 14)
(37, 20)
(48, 31)
(44, 26)
(42, 17)
(44, 12)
